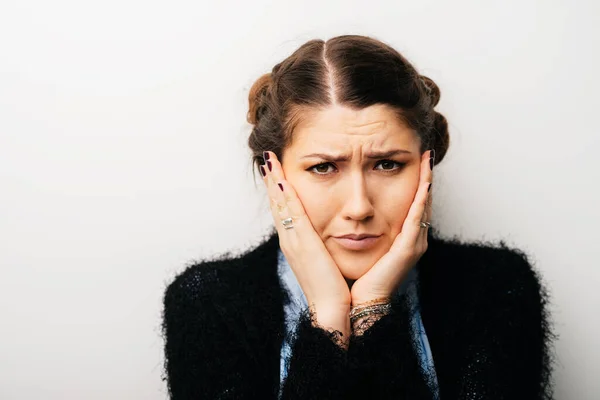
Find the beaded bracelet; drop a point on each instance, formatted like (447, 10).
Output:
(368, 304)
(374, 309)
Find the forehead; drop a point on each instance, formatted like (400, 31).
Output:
(337, 126)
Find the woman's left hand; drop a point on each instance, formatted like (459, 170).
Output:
(384, 278)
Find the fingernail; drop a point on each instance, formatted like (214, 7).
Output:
(280, 186)
(431, 159)
(262, 171)
(266, 155)
(269, 165)
(429, 188)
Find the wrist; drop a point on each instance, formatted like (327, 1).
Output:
(364, 314)
(361, 324)
(369, 300)
(333, 318)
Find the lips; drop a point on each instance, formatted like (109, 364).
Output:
(357, 241)
(358, 236)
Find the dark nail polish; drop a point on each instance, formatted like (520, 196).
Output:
(262, 171)
(280, 186)
(429, 188)
(266, 155)
(270, 165)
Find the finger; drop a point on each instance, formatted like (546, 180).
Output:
(427, 213)
(294, 205)
(411, 225)
(279, 209)
(428, 206)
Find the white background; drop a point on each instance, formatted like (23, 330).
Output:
(123, 156)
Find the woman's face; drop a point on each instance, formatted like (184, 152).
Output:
(348, 185)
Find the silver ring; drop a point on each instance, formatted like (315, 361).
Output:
(287, 223)
(424, 224)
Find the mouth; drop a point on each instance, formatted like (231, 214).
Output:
(357, 242)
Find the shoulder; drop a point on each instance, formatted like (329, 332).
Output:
(484, 265)
(482, 277)
(205, 300)
(489, 286)
(479, 287)
(223, 273)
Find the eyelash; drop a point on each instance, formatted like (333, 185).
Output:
(388, 171)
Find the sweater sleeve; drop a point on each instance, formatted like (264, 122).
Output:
(318, 366)
(384, 360)
(200, 353)
(508, 355)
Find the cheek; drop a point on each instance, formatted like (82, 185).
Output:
(395, 203)
(317, 203)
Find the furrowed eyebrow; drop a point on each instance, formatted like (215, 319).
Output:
(343, 157)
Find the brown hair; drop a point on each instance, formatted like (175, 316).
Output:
(350, 70)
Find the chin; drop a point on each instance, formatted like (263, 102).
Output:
(353, 275)
(354, 265)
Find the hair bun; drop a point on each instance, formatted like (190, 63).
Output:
(441, 136)
(432, 89)
(258, 91)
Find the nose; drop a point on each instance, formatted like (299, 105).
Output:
(357, 203)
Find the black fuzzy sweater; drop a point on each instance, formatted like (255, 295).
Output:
(483, 306)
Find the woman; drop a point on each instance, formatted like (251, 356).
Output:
(353, 295)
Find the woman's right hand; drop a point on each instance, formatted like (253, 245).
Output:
(321, 281)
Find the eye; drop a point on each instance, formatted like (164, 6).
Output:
(319, 170)
(388, 166)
